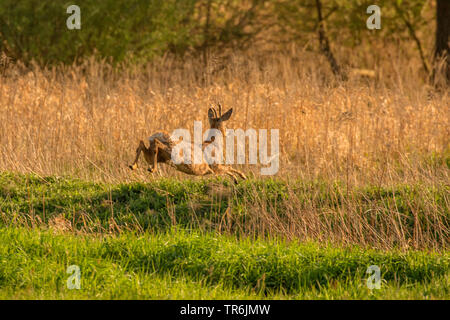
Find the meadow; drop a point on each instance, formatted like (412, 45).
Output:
(363, 180)
(180, 265)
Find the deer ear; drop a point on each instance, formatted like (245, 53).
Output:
(211, 113)
(226, 115)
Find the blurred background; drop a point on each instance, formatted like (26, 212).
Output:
(140, 30)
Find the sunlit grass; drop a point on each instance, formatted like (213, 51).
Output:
(182, 265)
(399, 216)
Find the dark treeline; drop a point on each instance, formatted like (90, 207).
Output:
(139, 30)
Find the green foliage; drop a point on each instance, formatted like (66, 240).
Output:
(346, 20)
(109, 28)
(139, 30)
(186, 265)
(124, 29)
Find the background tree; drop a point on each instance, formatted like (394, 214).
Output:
(442, 49)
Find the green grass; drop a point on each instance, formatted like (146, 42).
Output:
(209, 239)
(254, 207)
(190, 265)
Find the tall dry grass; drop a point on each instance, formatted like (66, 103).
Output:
(86, 120)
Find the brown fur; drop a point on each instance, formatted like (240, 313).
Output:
(216, 121)
(161, 145)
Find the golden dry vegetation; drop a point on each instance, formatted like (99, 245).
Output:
(86, 120)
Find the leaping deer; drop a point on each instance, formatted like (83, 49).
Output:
(160, 151)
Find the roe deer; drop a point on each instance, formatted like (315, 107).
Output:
(160, 151)
(216, 121)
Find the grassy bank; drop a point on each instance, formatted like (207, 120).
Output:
(211, 239)
(183, 265)
(397, 216)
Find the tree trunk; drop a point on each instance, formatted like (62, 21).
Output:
(325, 44)
(442, 50)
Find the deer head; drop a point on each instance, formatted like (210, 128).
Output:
(216, 119)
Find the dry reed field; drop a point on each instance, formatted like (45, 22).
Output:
(86, 120)
(390, 132)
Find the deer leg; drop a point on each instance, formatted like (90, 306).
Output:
(235, 180)
(156, 147)
(160, 145)
(209, 171)
(138, 153)
(155, 159)
(239, 173)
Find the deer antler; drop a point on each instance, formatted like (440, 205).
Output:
(213, 109)
(220, 109)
